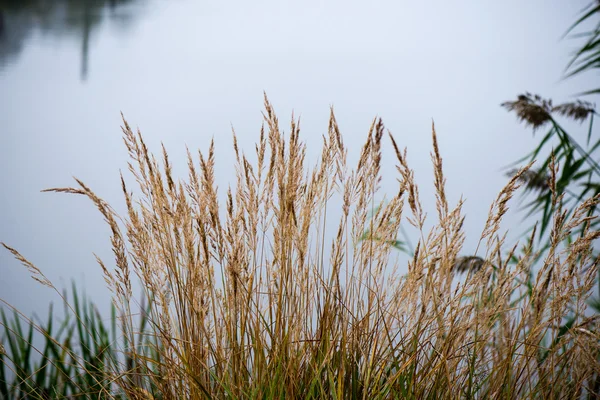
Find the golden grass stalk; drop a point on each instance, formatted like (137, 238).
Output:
(262, 296)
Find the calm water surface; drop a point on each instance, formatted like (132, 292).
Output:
(185, 71)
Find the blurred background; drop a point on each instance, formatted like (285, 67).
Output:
(187, 71)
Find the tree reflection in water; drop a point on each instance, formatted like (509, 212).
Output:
(20, 19)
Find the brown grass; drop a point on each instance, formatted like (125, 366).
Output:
(252, 298)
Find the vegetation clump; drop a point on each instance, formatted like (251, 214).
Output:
(250, 298)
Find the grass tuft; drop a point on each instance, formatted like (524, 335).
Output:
(263, 295)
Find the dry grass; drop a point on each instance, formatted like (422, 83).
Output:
(253, 300)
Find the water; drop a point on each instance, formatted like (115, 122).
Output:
(61, 20)
(185, 71)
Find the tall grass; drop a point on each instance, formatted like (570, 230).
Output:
(56, 360)
(253, 299)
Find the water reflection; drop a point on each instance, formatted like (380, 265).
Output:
(21, 19)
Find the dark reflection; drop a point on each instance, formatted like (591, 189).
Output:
(21, 19)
